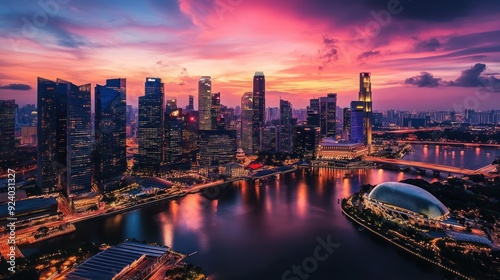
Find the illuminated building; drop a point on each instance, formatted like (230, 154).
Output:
(110, 131)
(406, 204)
(127, 260)
(306, 139)
(356, 134)
(28, 135)
(329, 149)
(217, 119)
(204, 102)
(7, 131)
(64, 137)
(365, 96)
(190, 132)
(246, 123)
(285, 134)
(190, 106)
(217, 147)
(346, 129)
(259, 110)
(313, 113)
(150, 132)
(327, 114)
(173, 135)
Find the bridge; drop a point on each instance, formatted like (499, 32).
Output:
(461, 144)
(432, 166)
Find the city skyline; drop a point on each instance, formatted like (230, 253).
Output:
(324, 53)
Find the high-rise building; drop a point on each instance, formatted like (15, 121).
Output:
(110, 132)
(217, 120)
(286, 127)
(357, 120)
(205, 102)
(28, 135)
(259, 109)
(151, 126)
(313, 113)
(171, 104)
(64, 137)
(327, 114)
(217, 147)
(246, 123)
(346, 127)
(306, 139)
(7, 132)
(365, 96)
(190, 105)
(173, 135)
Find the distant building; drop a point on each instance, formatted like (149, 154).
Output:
(286, 127)
(151, 126)
(217, 119)
(258, 110)
(110, 131)
(306, 139)
(28, 135)
(7, 131)
(246, 123)
(64, 137)
(313, 118)
(190, 133)
(204, 102)
(329, 149)
(173, 135)
(346, 129)
(327, 114)
(217, 147)
(270, 139)
(190, 105)
(365, 96)
(357, 131)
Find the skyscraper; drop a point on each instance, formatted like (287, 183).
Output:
(365, 96)
(357, 121)
(286, 127)
(204, 102)
(313, 112)
(246, 123)
(346, 127)
(110, 131)
(64, 136)
(7, 132)
(151, 126)
(259, 109)
(215, 113)
(190, 105)
(327, 114)
(173, 135)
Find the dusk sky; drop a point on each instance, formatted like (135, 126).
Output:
(422, 55)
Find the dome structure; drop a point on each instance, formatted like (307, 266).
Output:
(409, 197)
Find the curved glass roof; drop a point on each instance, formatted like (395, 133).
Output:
(409, 197)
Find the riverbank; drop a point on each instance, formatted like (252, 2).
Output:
(375, 231)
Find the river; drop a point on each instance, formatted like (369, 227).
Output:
(260, 232)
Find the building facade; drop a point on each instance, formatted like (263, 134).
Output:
(151, 127)
(365, 96)
(204, 102)
(110, 131)
(217, 147)
(259, 110)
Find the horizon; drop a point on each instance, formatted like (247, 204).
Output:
(306, 49)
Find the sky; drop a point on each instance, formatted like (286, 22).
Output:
(421, 55)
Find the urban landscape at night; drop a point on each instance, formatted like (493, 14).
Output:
(233, 139)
